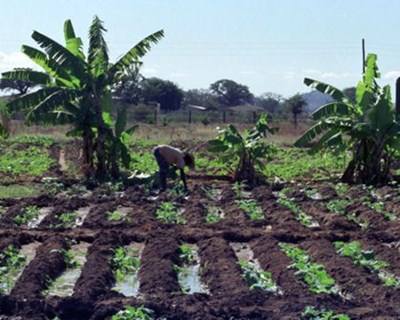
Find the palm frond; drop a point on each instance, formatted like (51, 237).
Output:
(30, 100)
(135, 53)
(49, 66)
(311, 133)
(332, 109)
(326, 89)
(98, 51)
(36, 77)
(72, 42)
(61, 55)
(42, 111)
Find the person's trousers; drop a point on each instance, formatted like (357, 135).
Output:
(163, 169)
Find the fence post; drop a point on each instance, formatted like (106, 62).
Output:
(224, 116)
(190, 116)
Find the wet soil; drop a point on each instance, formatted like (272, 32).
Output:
(229, 296)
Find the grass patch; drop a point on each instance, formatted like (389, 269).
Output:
(291, 163)
(32, 161)
(19, 191)
(67, 219)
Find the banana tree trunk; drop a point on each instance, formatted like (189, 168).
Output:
(246, 170)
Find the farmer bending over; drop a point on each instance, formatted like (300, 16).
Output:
(169, 156)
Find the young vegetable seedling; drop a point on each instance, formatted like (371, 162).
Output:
(338, 206)
(314, 274)
(67, 219)
(257, 278)
(168, 213)
(29, 213)
(11, 261)
(251, 208)
(124, 262)
(312, 313)
(366, 259)
(301, 216)
(214, 214)
(115, 216)
(134, 313)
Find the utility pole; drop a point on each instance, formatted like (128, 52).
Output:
(398, 99)
(363, 55)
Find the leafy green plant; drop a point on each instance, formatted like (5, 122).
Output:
(301, 216)
(379, 207)
(124, 262)
(339, 206)
(69, 259)
(341, 189)
(37, 140)
(367, 127)
(312, 313)
(295, 163)
(366, 259)
(27, 214)
(244, 152)
(314, 274)
(168, 213)
(32, 161)
(251, 208)
(258, 279)
(67, 219)
(115, 216)
(77, 89)
(186, 253)
(134, 313)
(10, 262)
(214, 214)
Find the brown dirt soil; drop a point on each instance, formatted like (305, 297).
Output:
(230, 296)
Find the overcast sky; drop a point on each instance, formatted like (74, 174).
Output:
(266, 44)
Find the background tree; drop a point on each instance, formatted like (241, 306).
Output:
(270, 102)
(76, 89)
(200, 97)
(231, 93)
(295, 105)
(165, 92)
(128, 87)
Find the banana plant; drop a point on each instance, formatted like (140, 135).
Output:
(244, 152)
(366, 128)
(76, 89)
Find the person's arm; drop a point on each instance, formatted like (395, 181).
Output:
(183, 177)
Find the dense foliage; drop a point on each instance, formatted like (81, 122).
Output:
(76, 89)
(244, 151)
(366, 127)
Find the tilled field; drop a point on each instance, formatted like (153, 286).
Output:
(361, 292)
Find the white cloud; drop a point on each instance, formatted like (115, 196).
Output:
(12, 60)
(392, 75)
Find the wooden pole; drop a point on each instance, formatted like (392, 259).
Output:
(190, 116)
(224, 116)
(363, 55)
